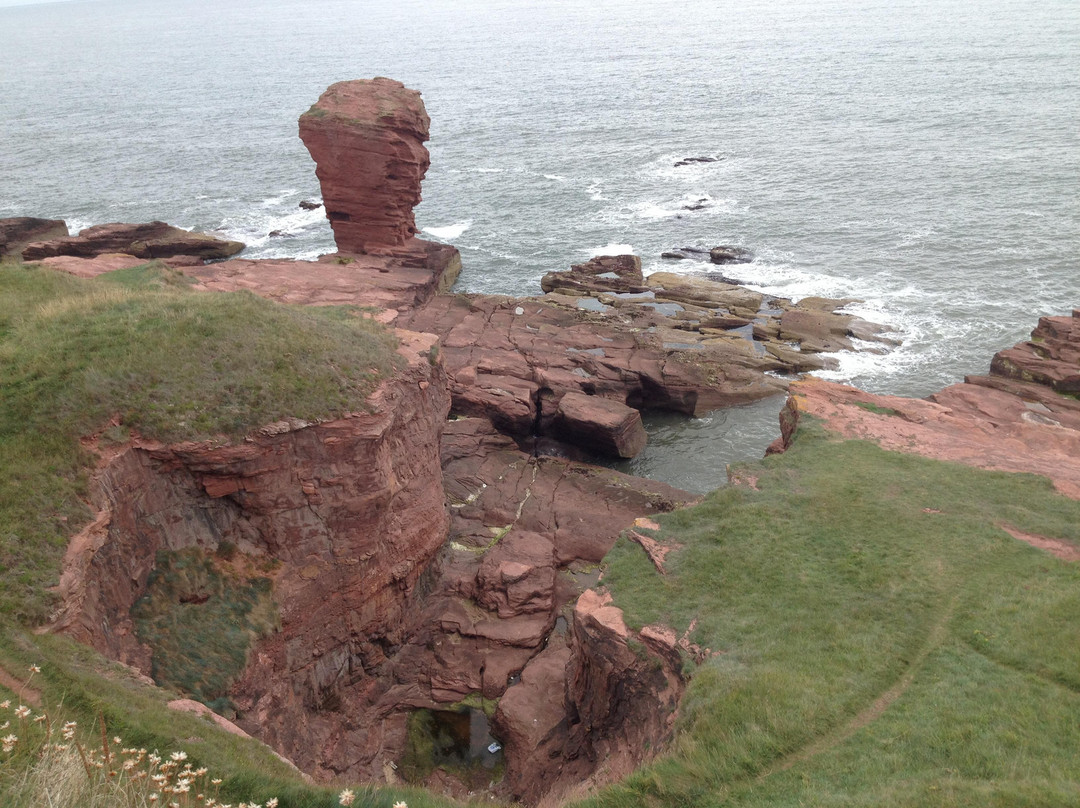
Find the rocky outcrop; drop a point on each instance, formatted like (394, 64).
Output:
(1022, 417)
(730, 255)
(388, 605)
(352, 510)
(366, 137)
(391, 280)
(511, 361)
(724, 254)
(151, 240)
(16, 233)
(685, 344)
(605, 273)
(620, 691)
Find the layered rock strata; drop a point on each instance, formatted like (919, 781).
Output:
(1022, 417)
(147, 241)
(666, 342)
(352, 509)
(16, 233)
(367, 140)
(388, 605)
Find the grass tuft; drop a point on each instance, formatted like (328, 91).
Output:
(200, 619)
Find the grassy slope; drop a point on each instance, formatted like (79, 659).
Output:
(170, 363)
(77, 684)
(882, 642)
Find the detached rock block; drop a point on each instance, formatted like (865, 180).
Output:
(600, 425)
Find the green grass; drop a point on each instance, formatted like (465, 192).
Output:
(200, 616)
(869, 406)
(139, 347)
(856, 575)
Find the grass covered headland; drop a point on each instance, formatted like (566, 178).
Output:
(139, 348)
(878, 639)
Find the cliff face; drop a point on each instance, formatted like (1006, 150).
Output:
(366, 137)
(589, 714)
(352, 509)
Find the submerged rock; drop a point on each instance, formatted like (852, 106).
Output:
(691, 160)
(727, 254)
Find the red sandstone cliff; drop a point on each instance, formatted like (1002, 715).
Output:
(353, 508)
(366, 137)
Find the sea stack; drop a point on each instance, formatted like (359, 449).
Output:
(367, 140)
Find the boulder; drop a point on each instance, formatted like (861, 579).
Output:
(307, 204)
(149, 241)
(16, 233)
(727, 254)
(605, 273)
(604, 426)
(367, 140)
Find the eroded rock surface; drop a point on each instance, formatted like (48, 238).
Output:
(148, 241)
(394, 599)
(17, 232)
(1021, 417)
(668, 342)
(512, 359)
(352, 509)
(367, 140)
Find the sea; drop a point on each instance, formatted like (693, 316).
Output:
(921, 156)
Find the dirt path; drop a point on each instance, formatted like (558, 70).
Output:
(937, 635)
(25, 694)
(1064, 550)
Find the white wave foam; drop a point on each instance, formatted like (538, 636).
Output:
(291, 225)
(610, 249)
(76, 226)
(450, 231)
(489, 170)
(650, 210)
(595, 193)
(281, 196)
(554, 177)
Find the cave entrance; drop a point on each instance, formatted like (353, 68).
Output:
(459, 741)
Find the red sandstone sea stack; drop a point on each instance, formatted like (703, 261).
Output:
(366, 137)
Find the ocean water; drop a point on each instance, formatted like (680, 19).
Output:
(922, 156)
